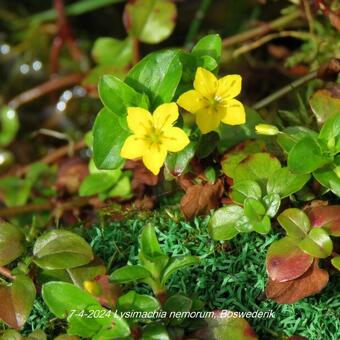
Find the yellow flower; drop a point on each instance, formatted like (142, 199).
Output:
(153, 135)
(212, 100)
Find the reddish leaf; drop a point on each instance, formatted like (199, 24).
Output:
(286, 261)
(327, 217)
(107, 293)
(16, 301)
(201, 198)
(71, 173)
(310, 283)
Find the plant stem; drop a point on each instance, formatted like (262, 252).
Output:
(265, 39)
(45, 88)
(7, 273)
(261, 30)
(77, 8)
(56, 155)
(30, 208)
(284, 90)
(135, 51)
(65, 36)
(196, 23)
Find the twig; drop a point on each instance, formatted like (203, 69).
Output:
(263, 40)
(261, 30)
(135, 51)
(31, 208)
(7, 273)
(56, 155)
(45, 88)
(284, 90)
(196, 23)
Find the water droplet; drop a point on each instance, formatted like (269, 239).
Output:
(61, 106)
(37, 65)
(24, 68)
(5, 48)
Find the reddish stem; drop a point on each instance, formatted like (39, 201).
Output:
(45, 88)
(65, 36)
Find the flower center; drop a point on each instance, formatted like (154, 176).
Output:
(154, 136)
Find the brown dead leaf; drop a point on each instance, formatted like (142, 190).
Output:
(199, 199)
(330, 71)
(310, 283)
(71, 173)
(141, 178)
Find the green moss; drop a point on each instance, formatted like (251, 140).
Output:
(230, 276)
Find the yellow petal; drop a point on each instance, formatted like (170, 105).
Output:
(192, 101)
(205, 83)
(165, 116)
(206, 121)
(229, 86)
(139, 120)
(154, 158)
(134, 147)
(235, 113)
(175, 139)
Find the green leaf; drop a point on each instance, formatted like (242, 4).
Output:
(177, 263)
(286, 261)
(38, 334)
(122, 189)
(324, 105)
(232, 135)
(328, 177)
(11, 334)
(16, 301)
(222, 223)
(292, 135)
(245, 189)
(317, 243)
(295, 222)
(227, 327)
(308, 150)
(61, 249)
(109, 135)
(272, 202)
(150, 254)
(133, 301)
(108, 326)
(336, 262)
(330, 132)
(150, 21)
(256, 167)
(110, 51)
(61, 298)
(157, 75)
(9, 124)
(129, 274)
(177, 162)
(155, 331)
(11, 243)
(210, 45)
(263, 227)
(207, 144)
(240, 152)
(285, 183)
(97, 183)
(118, 96)
(254, 210)
(177, 303)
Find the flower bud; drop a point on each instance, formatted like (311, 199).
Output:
(93, 288)
(266, 129)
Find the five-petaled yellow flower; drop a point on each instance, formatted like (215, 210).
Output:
(153, 135)
(212, 100)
